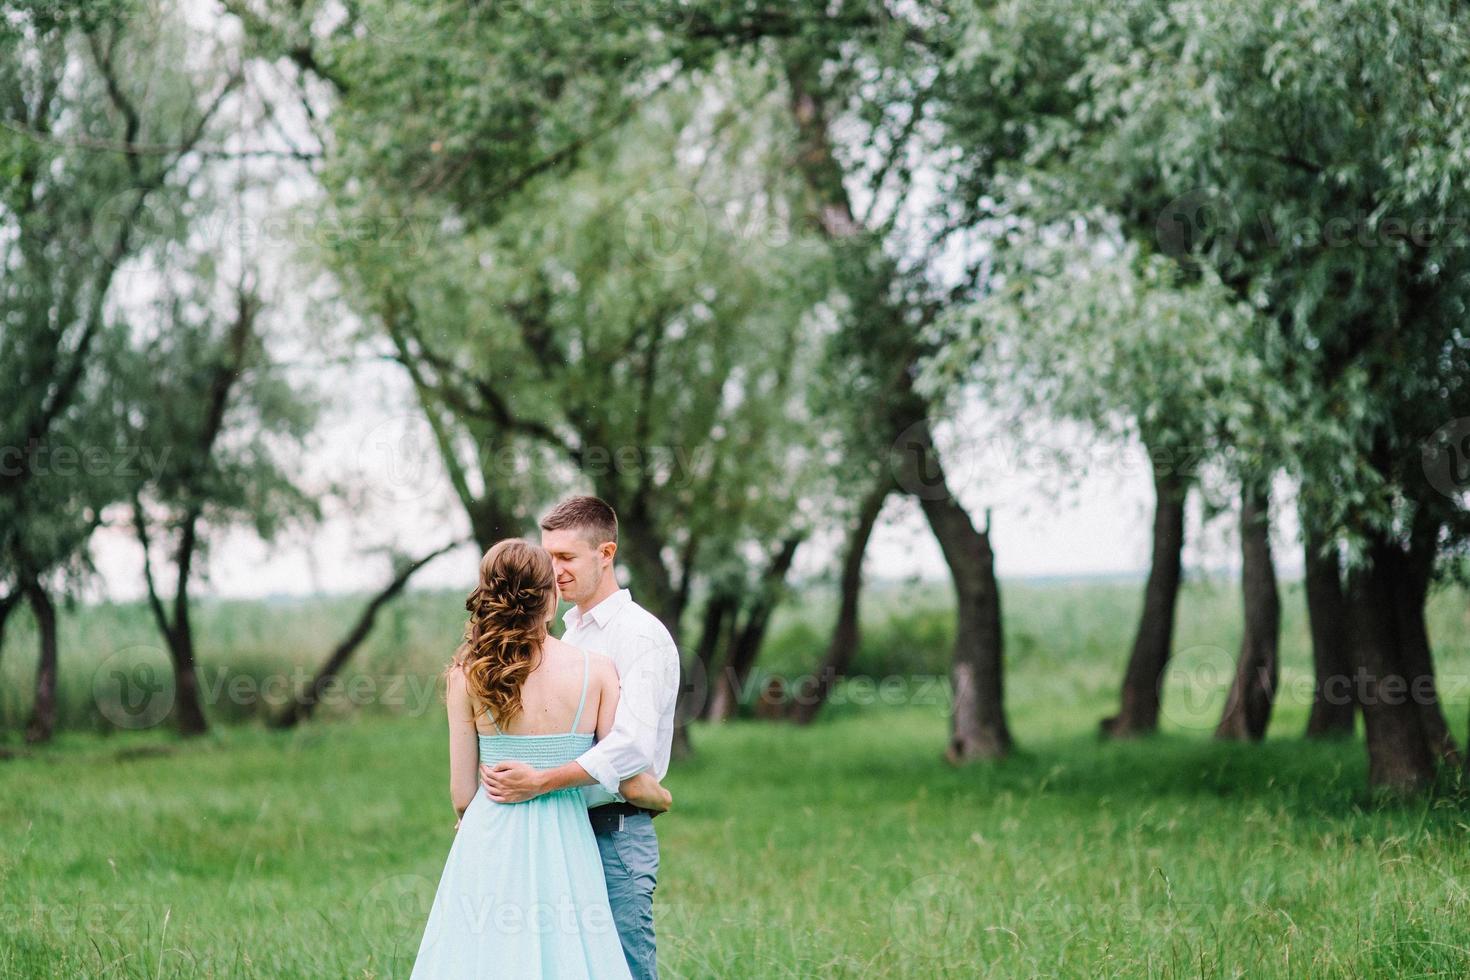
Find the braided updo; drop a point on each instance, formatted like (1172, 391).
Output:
(508, 613)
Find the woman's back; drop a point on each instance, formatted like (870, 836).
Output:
(561, 695)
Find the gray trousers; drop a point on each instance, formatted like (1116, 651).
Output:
(630, 864)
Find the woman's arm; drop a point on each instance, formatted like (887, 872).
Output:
(642, 789)
(464, 743)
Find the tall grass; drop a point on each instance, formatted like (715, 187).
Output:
(1066, 642)
(844, 849)
(847, 849)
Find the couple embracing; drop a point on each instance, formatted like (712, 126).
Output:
(556, 749)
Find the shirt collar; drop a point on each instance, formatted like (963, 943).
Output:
(602, 613)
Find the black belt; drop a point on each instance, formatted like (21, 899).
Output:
(610, 816)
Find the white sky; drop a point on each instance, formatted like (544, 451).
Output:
(1044, 522)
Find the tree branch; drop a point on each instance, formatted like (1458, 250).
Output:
(140, 526)
(302, 708)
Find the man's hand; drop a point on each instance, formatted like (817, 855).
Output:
(511, 782)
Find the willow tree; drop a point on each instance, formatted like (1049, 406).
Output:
(858, 79)
(1093, 329)
(197, 379)
(1348, 236)
(636, 323)
(1317, 189)
(94, 169)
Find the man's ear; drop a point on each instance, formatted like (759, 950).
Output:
(608, 549)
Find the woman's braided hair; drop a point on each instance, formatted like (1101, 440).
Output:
(508, 611)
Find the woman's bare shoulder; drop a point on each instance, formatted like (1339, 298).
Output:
(454, 674)
(457, 690)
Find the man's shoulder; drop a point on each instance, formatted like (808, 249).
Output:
(636, 622)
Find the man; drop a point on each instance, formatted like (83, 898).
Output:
(581, 533)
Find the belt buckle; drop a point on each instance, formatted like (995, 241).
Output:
(621, 818)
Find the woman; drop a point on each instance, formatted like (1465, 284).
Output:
(522, 893)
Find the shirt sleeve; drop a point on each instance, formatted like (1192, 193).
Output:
(649, 679)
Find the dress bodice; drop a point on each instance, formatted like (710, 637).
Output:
(537, 751)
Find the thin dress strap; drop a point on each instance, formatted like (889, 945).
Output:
(586, 674)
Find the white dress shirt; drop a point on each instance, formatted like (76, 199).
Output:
(648, 667)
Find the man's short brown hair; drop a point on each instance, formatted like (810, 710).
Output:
(592, 516)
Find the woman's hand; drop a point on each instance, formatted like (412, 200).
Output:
(646, 791)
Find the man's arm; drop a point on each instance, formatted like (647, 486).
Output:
(649, 685)
(516, 782)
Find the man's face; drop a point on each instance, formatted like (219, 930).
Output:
(579, 564)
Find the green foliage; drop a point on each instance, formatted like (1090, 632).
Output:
(1103, 332)
(194, 345)
(638, 321)
(467, 102)
(104, 105)
(1303, 155)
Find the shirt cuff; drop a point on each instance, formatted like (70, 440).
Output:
(600, 769)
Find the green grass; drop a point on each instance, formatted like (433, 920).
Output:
(847, 849)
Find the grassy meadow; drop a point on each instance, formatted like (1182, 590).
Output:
(846, 849)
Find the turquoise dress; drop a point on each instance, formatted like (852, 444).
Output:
(522, 894)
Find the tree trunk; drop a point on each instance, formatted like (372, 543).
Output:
(188, 708)
(7, 606)
(746, 643)
(42, 724)
(1257, 671)
(978, 727)
(719, 610)
(1411, 579)
(809, 695)
(489, 521)
(1142, 683)
(1398, 752)
(177, 633)
(304, 706)
(1332, 698)
(655, 589)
